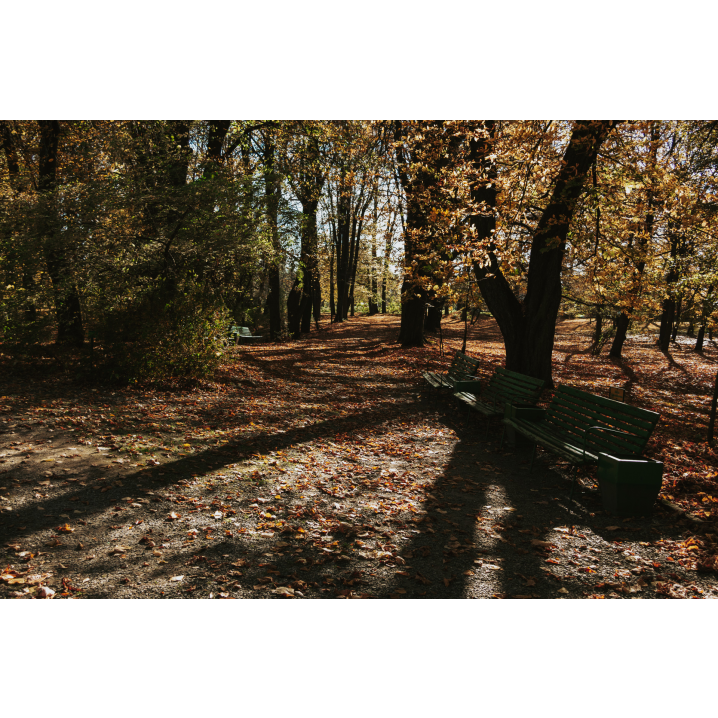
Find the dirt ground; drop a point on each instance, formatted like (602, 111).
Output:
(323, 468)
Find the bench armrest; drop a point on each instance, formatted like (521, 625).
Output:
(524, 412)
(470, 384)
(599, 428)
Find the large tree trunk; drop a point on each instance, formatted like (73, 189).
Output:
(413, 310)
(64, 289)
(528, 326)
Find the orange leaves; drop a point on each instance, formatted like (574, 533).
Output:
(65, 529)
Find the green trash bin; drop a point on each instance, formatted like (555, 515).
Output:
(629, 484)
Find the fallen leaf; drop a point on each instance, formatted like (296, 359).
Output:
(176, 578)
(283, 591)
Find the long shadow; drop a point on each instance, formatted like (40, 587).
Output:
(513, 552)
(672, 362)
(210, 460)
(622, 364)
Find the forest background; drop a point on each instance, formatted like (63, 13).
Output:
(152, 238)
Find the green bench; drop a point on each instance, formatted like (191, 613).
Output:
(242, 335)
(504, 387)
(461, 375)
(578, 426)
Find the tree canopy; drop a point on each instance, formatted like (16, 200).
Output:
(151, 237)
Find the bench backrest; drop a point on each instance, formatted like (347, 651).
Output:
(244, 332)
(572, 411)
(463, 366)
(507, 386)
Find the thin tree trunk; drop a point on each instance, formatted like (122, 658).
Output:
(331, 284)
(668, 314)
(343, 232)
(385, 269)
(374, 285)
(712, 415)
(700, 336)
(622, 324)
(65, 293)
(677, 320)
(705, 312)
(271, 186)
(355, 264)
(624, 320)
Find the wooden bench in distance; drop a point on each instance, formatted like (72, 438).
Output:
(578, 426)
(504, 387)
(461, 375)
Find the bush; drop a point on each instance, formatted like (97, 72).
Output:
(179, 339)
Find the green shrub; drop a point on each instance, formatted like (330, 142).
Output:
(180, 338)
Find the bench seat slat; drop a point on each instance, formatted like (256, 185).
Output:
(585, 418)
(622, 421)
(504, 387)
(600, 440)
(641, 414)
(463, 368)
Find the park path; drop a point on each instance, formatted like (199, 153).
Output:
(317, 468)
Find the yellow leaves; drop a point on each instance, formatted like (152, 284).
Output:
(66, 529)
